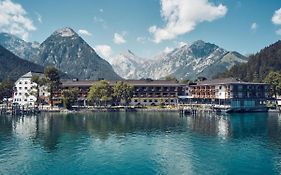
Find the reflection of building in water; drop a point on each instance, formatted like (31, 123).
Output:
(210, 125)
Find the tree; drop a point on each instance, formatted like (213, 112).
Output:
(122, 92)
(274, 79)
(39, 81)
(201, 79)
(53, 81)
(171, 78)
(6, 89)
(70, 96)
(186, 81)
(100, 92)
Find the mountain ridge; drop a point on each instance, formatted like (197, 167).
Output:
(186, 62)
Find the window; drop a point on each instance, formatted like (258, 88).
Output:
(172, 101)
(20, 88)
(19, 93)
(25, 88)
(25, 99)
(145, 100)
(25, 82)
(155, 100)
(20, 82)
(134, 100)
(150, 100)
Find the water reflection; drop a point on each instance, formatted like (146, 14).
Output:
(48, 129)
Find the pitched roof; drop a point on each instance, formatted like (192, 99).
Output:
(31, 74)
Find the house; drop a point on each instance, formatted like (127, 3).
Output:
(25, 90)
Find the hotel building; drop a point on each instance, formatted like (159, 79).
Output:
(234, 94)
(145, 92)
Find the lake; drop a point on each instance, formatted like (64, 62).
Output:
(140, 143)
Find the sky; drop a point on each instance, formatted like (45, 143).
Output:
(148, 27)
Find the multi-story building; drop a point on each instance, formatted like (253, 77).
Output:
(145, 92)
(25, 90)
(235, 94)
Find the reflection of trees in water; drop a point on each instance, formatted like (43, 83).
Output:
(48, 129)
(51, 127)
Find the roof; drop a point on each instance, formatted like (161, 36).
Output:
(31, 74)
(86, 83)
(226, 81)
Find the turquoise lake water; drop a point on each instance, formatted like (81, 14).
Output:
(140, 143)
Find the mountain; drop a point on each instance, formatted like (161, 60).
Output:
(259, 64)
(19, 47)
(12, 67)
(128, 65)
(186, 62)
(68, 52)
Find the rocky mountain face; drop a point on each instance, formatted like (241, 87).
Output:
(21, 48)
(128, 65)
(186, 62)
(68, 52)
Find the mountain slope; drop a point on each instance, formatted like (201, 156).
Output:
(258, 65)
(19, 47)
(12, 67)
(186, 62)
(67, 51)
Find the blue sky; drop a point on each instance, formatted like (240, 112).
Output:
(147, 27)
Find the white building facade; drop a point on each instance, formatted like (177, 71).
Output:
(25, 91)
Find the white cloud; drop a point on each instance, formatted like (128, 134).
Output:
(104, 50)
(278, 32)
(39, 17)
(276, 18)
(141, 39)
(101, 10)
(14, 20)
(84, 32)
(119, 38)
(101, 21)
(254, 26)
(182, 16)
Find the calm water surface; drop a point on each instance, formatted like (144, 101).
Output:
(140, 143)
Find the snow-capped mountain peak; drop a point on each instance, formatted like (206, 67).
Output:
(186, 62)
(65, 32)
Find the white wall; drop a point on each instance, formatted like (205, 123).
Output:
(25, 92)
